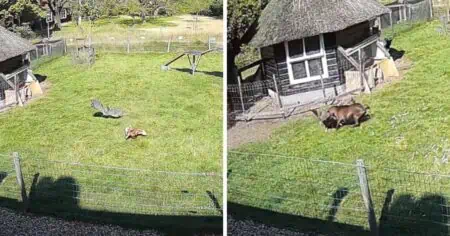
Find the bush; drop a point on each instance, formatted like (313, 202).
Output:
(24, 31)
(216, 8)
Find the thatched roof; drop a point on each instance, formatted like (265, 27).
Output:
(284, 20)
(12, 45)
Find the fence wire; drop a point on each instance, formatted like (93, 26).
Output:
(8, 185)
(310, 188)
(260, 97)
(405, 16)
(138, 42)
(404, 202)
(81, 190)
(12, 88)
(411, 201)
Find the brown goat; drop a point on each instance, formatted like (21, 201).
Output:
(347, 113)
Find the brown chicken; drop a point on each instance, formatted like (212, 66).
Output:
(134, 133)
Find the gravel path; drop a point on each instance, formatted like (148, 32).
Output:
(13, 223)
(248, 227)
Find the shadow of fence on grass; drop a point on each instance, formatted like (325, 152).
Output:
(61, 198)
(296, 223)
(408, 215)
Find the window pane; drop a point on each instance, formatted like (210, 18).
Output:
(295, 48)
(312, 45)
(299, 70)
(315, 67)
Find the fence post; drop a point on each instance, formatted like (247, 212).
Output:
(430, 5)
(239, 77)
(128, 39)
(16, 91)
(392, 23)
(65, 46)
(20, 181)
(278, 95)
(168, 44)
(367, 198)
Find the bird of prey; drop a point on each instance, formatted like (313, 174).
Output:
(106, 111)
(134, 133)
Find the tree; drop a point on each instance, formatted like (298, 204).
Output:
(133, 8)
(56, 7)
(242, 22)
(15, 12)
(151, 7)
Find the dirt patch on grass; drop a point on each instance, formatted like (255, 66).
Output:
(242, 132)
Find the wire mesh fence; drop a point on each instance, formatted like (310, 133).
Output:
(8, 186)
(121, 195)
(139, 42)
(351, 70)
(13, 89)
(402, 202)
(411, 202)
(310, 188)
(48, 50)
(405, 15)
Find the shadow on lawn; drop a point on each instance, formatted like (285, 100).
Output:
(407, 215)
(218, 74)
(40, 78)
(404, 215)
(60, 198)
(300, 224)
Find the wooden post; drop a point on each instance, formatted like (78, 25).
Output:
(16, 91)
(447, 10)
(323, 86)
(278, 95)
(392, 24)
(240, 92)
(430, 5)
(364, 81)
(209, 43)
(128, 39)
(65, 46)
(20, 181)
(367, 198)
(168, 44)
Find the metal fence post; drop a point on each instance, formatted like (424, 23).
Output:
(367, 198)
(20, 181)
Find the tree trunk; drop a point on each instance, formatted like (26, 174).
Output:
(231, 67)
(58, 19)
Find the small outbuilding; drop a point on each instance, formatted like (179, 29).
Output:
(299, 41)
(14, 62)
(13, 51)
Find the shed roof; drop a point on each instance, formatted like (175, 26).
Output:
(11, 45)
(284, 20)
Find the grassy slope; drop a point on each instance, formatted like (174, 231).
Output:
(409, 117)
(182, 115)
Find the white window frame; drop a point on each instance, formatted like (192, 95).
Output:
(49, 17)
(305, 58)
(64, 14)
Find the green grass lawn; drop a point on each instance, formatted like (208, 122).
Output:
(182, 115)
(409, 130)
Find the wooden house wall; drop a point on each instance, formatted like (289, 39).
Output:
(10, 65)
(353, 35)
(275, 56)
